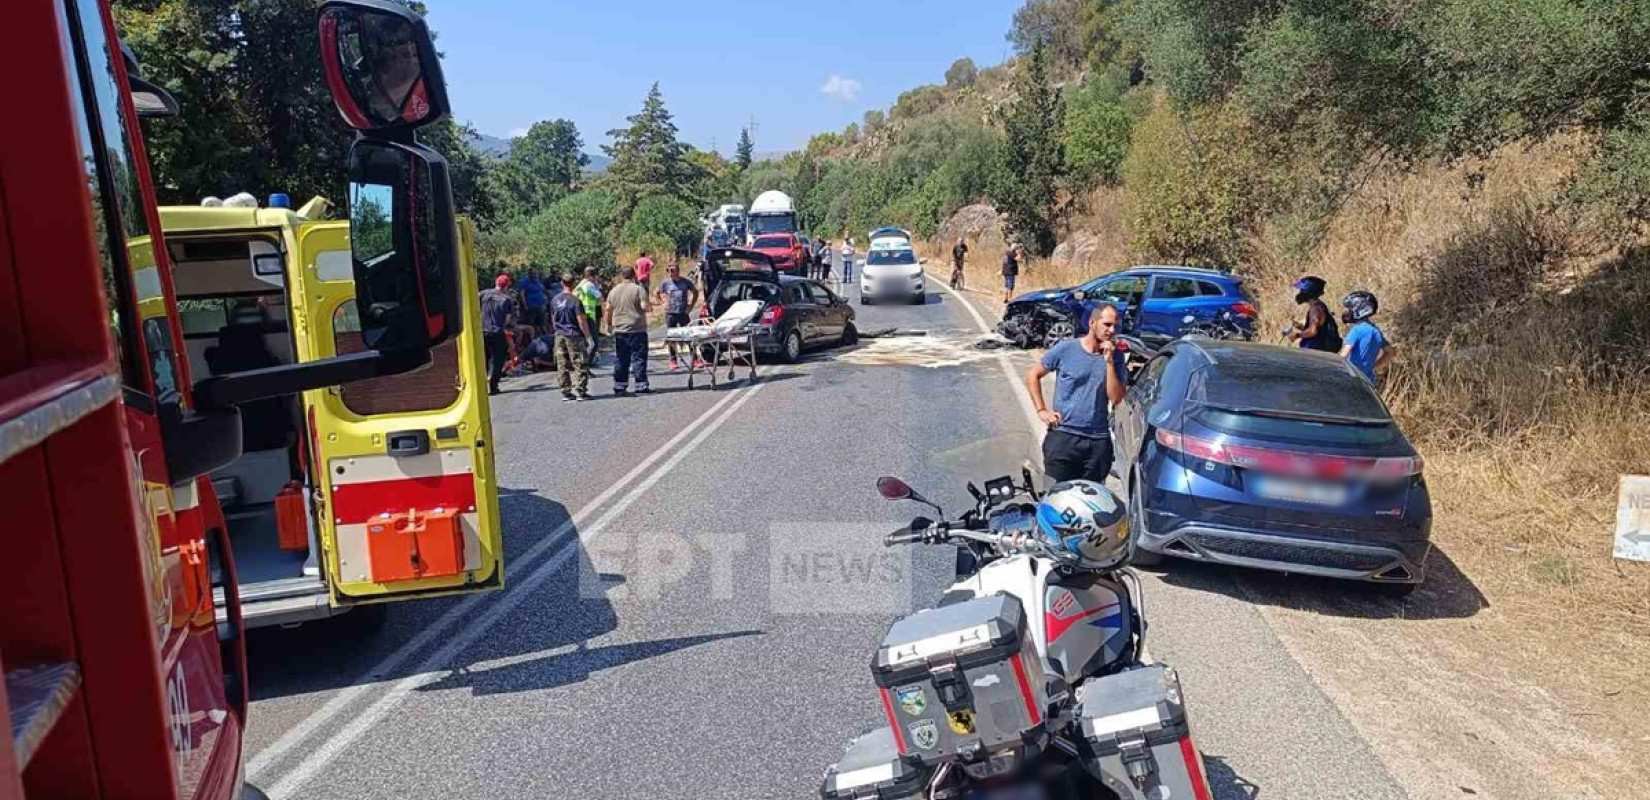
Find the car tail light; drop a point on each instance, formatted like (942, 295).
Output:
(1290, 462)
(773, 314)
(1243, 308)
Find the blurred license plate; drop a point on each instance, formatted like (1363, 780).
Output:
(1311, 492)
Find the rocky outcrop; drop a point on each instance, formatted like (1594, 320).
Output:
(979, 223)
(1080, 249)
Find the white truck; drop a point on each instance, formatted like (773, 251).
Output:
(771, 212)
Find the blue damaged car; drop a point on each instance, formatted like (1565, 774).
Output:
(1155, 302)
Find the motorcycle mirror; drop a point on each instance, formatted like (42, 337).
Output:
(894, 489)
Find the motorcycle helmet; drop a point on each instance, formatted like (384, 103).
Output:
(1360, 306)
(1084, 519)
(1309, 288)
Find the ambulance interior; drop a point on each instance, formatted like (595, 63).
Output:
(233, 307)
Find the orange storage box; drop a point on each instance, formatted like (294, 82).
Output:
(291, 523)
(416, 544)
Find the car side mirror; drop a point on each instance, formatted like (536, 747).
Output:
(381, 65)
(922, 261)
(404, 245)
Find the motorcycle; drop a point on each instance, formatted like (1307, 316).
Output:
(1030, 679)
(1223, 326)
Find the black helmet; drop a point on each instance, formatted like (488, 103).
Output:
(1309, 288)
(1360, 306)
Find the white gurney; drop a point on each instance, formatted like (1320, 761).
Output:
(731, 339)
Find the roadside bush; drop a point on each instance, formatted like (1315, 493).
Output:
(1096, 140)
(662, 224)
(1196, 189)
(575, 232)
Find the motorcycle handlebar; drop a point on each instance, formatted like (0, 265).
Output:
(902, 536)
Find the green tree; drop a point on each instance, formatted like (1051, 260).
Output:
(874, 120)
(1034, 124)
(647, 158)
(742, 154)
(1096, 138)
(662, 224)
(575, 232)
(467, 169)
(961, 74)
(1054, 24)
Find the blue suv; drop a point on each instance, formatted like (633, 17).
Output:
(1154, 301)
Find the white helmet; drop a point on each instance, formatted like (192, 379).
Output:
(1086, 520)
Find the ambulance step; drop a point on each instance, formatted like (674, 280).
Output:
(37, 696)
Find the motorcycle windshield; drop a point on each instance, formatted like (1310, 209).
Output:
(985, 460)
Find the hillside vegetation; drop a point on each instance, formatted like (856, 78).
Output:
(1482, 165)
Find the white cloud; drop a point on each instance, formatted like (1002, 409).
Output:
(844, 88)
(517, 133)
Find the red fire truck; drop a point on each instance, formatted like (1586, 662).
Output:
(120, 682)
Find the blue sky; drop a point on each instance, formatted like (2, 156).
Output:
(510, 63)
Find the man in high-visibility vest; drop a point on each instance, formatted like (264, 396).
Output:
(589, 293)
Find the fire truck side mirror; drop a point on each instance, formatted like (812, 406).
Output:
(381, 65)
(404, 242)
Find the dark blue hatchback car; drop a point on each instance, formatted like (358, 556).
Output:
(1154, 301)
(1278, 458)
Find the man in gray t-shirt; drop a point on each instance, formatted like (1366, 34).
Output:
(1089, 378)
(627, 309)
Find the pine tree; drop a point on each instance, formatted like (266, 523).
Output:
(647, 158)
(742, 155)
(1034, 125)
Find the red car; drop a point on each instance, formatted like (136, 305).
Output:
(786, 250)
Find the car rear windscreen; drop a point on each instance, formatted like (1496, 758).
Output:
(1284, 394)
(877, 258)
(773, 241)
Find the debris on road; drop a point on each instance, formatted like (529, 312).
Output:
(901, 348)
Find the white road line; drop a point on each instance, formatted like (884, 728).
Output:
(264, 759)
(1015, 379)
(438, 664)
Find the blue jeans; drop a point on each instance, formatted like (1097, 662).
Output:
(847, 270)
(630, 357)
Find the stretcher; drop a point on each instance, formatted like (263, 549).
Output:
(730, 340)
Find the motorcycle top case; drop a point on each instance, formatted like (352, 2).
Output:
(873, 769)
(962, 680)
(1139, 742)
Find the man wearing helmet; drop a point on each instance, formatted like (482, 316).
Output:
(1318, 332)
(1366, 345)
(1088, 380)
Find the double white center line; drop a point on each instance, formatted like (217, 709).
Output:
(491, 608)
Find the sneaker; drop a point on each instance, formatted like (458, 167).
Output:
(620, 391)
(567, 397)
(585, 396)
(643, 390)
(698, 363)
(674, 366)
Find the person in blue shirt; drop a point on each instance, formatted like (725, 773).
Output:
(533, 297)
(1089, 378)
(1366, 345)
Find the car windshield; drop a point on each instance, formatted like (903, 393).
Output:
(773, 241)
(880, 258)
(778, 223)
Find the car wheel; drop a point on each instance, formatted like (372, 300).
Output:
(864, 301)
(919, 298)
(793, 347)
(850, 335)
(1059, 332)
(1137, 523)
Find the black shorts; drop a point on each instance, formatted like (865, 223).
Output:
(677, 319)
(1069, 457)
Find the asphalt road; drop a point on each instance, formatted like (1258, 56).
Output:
(695, 587)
